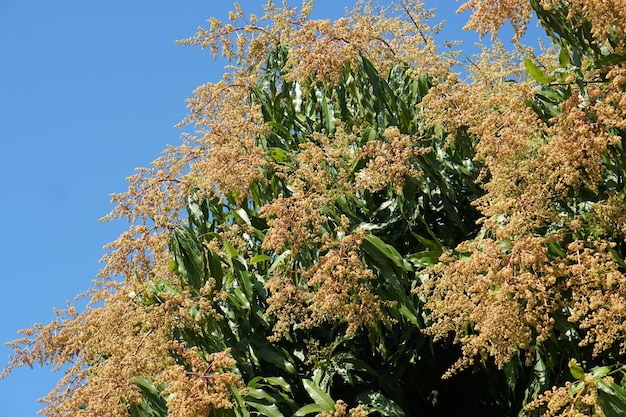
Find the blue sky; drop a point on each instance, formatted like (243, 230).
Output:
(89, 90)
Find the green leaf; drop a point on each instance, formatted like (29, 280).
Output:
(145, 385)
(535, 72)
(239, 299)
(281, 259)
(196, 211)
(425, 258)
(188, 255)
(410, 314)
(563, 57)
(612, 59)
(240, 403)
(137, 410)
(611, 406)
(259, 394)
(617, 258)
(259, 258)
(350, 368)
(279, 155)
(279, 381)
(619, 391)
(381, 251)
(318, 395)
(511, 372)
(270, 354)
(382, 404)
(281, 128)
(265, 410)
(153, 405)
(215, 267)
(576, 370)
(600, 371)
(309, 409)
(243, 215)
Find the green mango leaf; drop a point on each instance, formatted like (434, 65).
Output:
(318, 395)
(409, 313)
(145, 385)
(612, 59)
(600, 371)
(259, 258)
(196, 211)
(269, 353)
(215, 267)
(279, 127)
(188, 256)
(619, 392)
(264, 409)
(382, 404)
(309, 409)
(238, 299)
(282, 258)
(535, 72)
(617, 258)
(379, 250)
(563, 57)
(260, 394)
(611, 406)
(350, 368)
(278, 155)
(279, 381)
(137, 410)
(153, 404)
(243, 215)
(425, 258)
(576, 370)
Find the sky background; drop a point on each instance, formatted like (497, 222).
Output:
(89, 90)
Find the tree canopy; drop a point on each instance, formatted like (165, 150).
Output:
(364, 226)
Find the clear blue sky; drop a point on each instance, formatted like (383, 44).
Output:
(89, 90)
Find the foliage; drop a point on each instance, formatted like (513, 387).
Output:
(355, 230)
